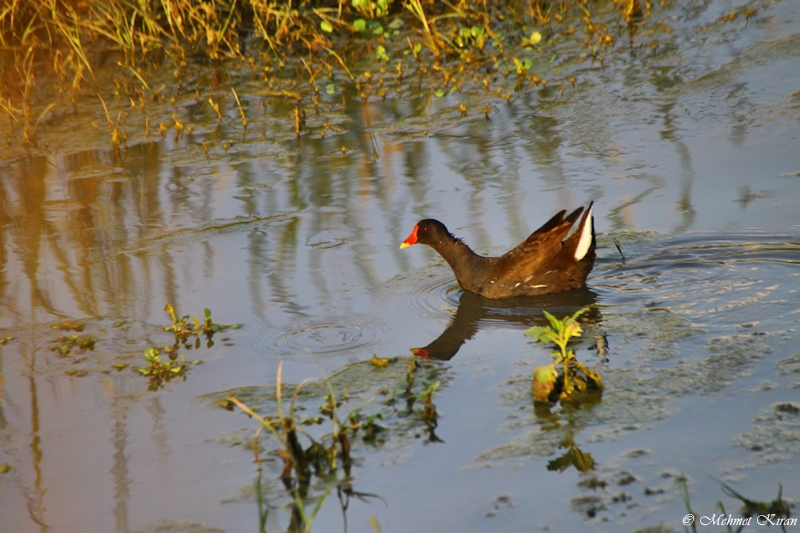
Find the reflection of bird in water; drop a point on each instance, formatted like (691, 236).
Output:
(548, 261)
(527, 311)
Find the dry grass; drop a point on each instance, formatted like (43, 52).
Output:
(67, 40)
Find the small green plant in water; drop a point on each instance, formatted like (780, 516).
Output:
(575, 377)
(299, 462)
(66, 343)
(429, 413)
(183, 329)
(159, 370)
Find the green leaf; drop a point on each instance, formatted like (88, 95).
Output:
(330, 89)
(538, 332)
(360, 25)
(381, 53)
(476, 31)
(572, 329)
(556, 323)
(326, 26)
(542, 333)
(378, 30)
(439, 93)
(544, 380)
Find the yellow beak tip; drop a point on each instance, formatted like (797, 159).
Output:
(404, 245)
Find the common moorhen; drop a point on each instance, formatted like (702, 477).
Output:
(548, 261)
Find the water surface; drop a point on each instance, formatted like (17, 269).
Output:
(690, 153)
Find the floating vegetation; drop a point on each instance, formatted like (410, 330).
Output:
(574, 378)
(70, 326)
(65, 344)
(184, 329)
(162, 370)
(318, 437)
(497, 49)
(775, 433)
(322, 457)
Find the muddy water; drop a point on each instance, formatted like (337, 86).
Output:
(691, 155)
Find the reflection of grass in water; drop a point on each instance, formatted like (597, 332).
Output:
(317, 442)
(634, 398)
(752, 512)
(459, 41)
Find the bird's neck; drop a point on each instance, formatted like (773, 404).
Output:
(464, 262)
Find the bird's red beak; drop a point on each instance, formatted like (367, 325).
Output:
(412, 239)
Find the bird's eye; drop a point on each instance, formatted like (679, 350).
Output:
(425, 229)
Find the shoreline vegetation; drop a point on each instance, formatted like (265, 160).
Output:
(57, 53)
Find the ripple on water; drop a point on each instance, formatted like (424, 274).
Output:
(428, 292)
(320, 336)
(677, 288)
(704, 259)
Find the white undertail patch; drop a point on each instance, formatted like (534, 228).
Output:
(586, 236)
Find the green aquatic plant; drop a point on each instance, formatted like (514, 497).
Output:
(315, 441)
(429, 413)
(574, 378)
(183, 328)
(161, 370)
(454, 45)
(299, 462)
(317, 451)
(68, 325)
(65, 344)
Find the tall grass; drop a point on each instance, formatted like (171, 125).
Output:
(69, 38)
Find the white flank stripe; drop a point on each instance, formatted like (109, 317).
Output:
(586, 237)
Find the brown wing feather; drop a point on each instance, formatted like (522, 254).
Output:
(539, 253)
(550, 225)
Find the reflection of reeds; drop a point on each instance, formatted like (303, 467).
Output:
(145, 32)
(286, 430)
